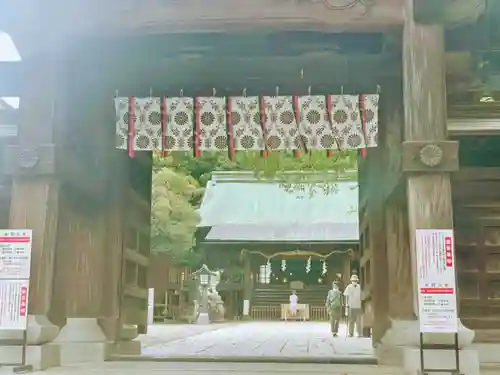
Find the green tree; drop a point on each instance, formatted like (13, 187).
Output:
(173, 216)
(341, 165)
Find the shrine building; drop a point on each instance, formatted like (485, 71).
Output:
(283, 240)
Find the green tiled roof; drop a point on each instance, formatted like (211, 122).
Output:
(237, 206)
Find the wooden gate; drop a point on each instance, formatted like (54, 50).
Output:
(136, 244)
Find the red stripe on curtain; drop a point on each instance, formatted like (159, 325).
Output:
(230, 138)
(163, 125)
(262, 110)
(131, 127)
(362, 101)
(297, 122)
(329, 153)
(197, 129)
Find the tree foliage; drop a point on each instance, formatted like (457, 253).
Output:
(173, 216)
(179, 179)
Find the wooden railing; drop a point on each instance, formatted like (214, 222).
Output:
(178, 276)
(316, 313)
(266, 313)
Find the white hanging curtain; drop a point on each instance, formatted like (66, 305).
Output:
(245, 123)
(122, 122)
(314, 123)
(211, 123)
(346, 121)
(179, 124)
(271, 123)
(147, 124)
(280, 125)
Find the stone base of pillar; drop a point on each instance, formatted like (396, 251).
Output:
(127, 348)
(82, 340)
(404, 335)
(441, 359)
(127, 345)
(41, 357)
(487, 344)
(41, 353)
(488, 352)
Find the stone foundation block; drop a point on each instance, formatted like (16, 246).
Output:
(82, 340)
(84, 352)
(488, 352)
(126, 348)
(41, 357)
(441, 359)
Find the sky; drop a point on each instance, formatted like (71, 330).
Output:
(8, 52)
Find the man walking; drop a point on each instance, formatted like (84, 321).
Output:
(334, 307)
(353, 303)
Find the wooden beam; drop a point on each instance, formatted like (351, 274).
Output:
(448, 12)
(477, 174)
(429, 11)
(115, 17)
(325, 73)
(438, 156)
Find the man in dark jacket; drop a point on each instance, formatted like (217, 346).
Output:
(334, 308)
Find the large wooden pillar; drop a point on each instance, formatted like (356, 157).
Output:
(36, 192)
(428, 158)
(392, 289)
(89, 248)
(81, 255)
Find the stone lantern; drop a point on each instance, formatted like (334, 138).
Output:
(204, 277)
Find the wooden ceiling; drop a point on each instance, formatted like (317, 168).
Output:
(38, 25)
(260, 60)
(231, 62)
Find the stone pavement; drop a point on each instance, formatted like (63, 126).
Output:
(164, 333)
(281, 341)
(172, 368)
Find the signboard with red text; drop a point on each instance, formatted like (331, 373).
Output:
(15, 266)
(437, 290)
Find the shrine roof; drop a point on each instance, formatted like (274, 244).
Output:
(238, 207)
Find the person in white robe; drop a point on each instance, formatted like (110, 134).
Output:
(293, 303)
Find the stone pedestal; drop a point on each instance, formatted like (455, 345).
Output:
(41, 353)
(203, 319)
(127, 345)
(402, 341)
(82, 340)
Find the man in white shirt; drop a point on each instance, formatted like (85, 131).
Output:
(353, 303)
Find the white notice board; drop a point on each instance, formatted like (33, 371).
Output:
(15, 254)
(14, 304)
(437, 291)
(15, 267)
